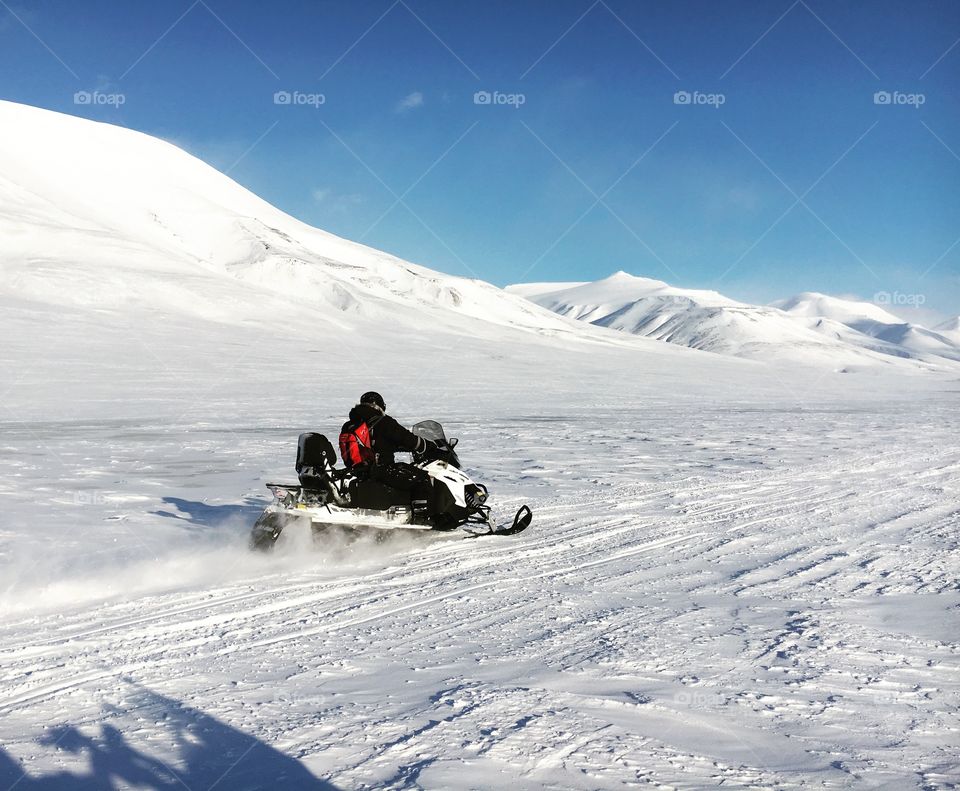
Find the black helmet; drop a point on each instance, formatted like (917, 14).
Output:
(374, 399)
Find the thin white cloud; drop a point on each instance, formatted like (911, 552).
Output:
(410, 102)
(335, 201)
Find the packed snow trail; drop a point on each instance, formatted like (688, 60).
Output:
(772, 621)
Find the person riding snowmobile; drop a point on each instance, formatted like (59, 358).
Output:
(370, 439)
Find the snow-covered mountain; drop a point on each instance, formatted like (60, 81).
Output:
(98, 215)
(950, 329)
(822, 313)
(811, 328)
(811, 304)
(703, 320)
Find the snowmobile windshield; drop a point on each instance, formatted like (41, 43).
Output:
(431, 430)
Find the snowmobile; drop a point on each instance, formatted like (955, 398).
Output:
(346, 502)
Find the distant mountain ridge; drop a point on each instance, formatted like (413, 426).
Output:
(871, 320)
(811, 327)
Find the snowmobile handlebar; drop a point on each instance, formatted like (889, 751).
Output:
(437, 450)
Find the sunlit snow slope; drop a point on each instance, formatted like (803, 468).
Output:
(98, 215)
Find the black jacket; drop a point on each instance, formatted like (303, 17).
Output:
(388, 436)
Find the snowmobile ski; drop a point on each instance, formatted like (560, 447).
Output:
(521, 521)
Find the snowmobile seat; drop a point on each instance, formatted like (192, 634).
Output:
(315, 461)
(366, 493)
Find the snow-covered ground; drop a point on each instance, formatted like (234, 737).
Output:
(739, 572)
(758, 594)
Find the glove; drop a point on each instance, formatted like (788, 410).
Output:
(431, 450)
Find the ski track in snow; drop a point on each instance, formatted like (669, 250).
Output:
(693, 606)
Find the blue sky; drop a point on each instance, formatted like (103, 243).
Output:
(586, 161)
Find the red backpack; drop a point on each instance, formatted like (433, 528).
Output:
(356, 445)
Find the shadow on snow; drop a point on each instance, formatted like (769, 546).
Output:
(209, 754)
(199, 513)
